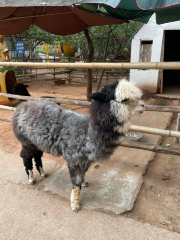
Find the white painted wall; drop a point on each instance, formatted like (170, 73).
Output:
(147, 80)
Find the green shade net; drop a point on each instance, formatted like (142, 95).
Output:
(137, 10)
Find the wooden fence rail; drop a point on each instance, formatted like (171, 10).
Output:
(97, 65)
(156, 108)
(151, 147)
(137, 145)
(57, 100)
(148, 130)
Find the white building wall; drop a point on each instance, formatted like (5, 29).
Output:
(147, 80)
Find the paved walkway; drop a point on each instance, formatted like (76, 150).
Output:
(31, 214)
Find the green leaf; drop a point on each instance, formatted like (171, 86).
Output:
(96, 166)
(166, 145)
(163, 223)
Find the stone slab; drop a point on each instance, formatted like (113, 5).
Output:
(114, 186)
(12, 168)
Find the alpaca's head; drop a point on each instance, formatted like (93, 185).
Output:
(113, 106)
(128, 96)
(123, 96)
(20, 89)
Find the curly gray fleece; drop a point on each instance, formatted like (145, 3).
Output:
(43, 126)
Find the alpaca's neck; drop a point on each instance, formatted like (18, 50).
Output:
(107, 128)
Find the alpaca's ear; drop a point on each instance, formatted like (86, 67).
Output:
(101, 97)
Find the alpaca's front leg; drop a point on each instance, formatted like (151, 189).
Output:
(75, 198)
(77, 178)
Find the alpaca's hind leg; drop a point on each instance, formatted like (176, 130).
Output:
(86, 166)
(27, 160)
(38, 161)
(85, 184)
(77, 180)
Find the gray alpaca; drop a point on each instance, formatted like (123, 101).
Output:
(43, 126)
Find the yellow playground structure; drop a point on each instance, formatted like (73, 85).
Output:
(7, 75)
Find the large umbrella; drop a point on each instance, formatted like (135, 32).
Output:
(57, 17)
(138, 10)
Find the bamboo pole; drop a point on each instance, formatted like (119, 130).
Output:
(5, 119)
(97, 65)
(7, 108)
(155, 131)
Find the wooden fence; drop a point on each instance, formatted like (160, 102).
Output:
(142, 65)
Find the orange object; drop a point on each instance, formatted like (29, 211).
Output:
(69, 48)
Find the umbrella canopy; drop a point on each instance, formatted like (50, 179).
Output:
(138, 10)
(57, 17)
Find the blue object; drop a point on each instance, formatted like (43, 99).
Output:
(20, 47)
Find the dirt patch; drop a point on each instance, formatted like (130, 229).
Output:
(158, 202)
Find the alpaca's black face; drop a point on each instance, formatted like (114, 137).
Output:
(112, 108)
(20, 89)
(123, 93)
(107, 93)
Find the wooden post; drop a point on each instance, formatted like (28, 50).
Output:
(54, 71)
(176, 140)
(30, 56)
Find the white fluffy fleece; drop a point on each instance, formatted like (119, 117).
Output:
(128, 90)
(124, 110)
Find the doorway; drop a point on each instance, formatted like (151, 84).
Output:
(171, 78)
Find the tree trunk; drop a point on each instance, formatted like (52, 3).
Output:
(89, 59)
(104, 59)
(100, 80)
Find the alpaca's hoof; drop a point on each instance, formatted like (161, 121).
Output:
(32, 181)
(76, 209)
(44, 175)
(85, 184)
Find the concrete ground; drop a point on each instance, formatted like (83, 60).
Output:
(27, 212)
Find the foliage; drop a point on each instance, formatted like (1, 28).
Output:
(37, 36)
(117, 43)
